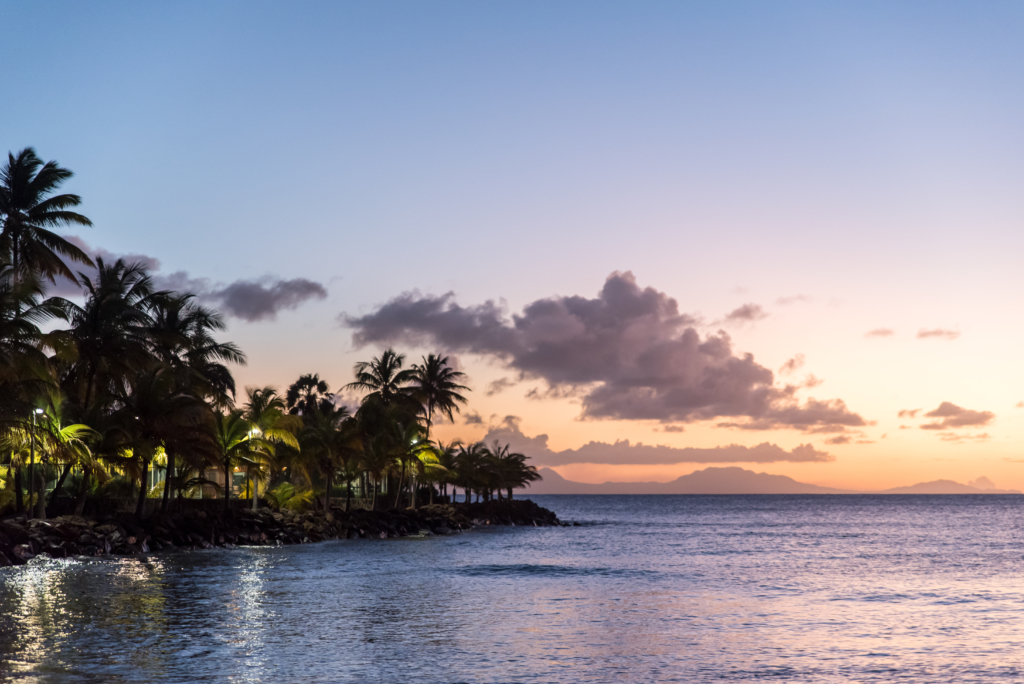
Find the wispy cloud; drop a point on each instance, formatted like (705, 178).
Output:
(880, 332)
(795, 299)
(938, 333)
(625, 452)
(748, 313)
(953, 416)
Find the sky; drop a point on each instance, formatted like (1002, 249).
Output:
(748, 233)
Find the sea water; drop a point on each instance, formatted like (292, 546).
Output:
(647, 589)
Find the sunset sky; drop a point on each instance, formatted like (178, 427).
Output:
(695, 225)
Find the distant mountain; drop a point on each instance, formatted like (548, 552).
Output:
(735, 480)
(730, 480)
(945, 487)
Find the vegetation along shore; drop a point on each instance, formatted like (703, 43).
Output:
(120, 419)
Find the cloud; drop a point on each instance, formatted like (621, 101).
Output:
(954, 416)
(938, 333)
(498, 386)
(747, 313)
(880, 332)
(960, 437)
(840, 439)
(674, 428)
(250, 300)
(629, 354)
(624, 452)
(793, 365)
(908, 413)
(473, 418)
(795, 299)
(1020, 404)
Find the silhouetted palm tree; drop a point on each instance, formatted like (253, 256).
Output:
(384, 378)
(29, 209)
(265, 411)
(307, 395)
(435, 385)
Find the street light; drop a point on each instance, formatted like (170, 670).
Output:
(32, 462)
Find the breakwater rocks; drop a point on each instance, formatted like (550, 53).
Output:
(68, 536)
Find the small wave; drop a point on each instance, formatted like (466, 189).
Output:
(527, 569)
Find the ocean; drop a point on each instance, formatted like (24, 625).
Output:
(648, 589)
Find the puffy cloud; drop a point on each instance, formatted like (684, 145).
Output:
(880, 332)
(953, 416)
(747, 313)
(793, 365)
(908, 413)
(624, 452)
(629, 354)
(938, 333)
(473, 418)
(250, 300)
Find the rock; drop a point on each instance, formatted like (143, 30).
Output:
(5, 562)
(22, 553)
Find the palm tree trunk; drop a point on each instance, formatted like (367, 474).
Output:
(469, 495)
(57, 489)
(227, 486)
(140, 509)
(255, 494)
(348, 495)
(19, 499)
(401, 484)
(412, 491)
(80, 504)
(373, 500)
(509, 493)
(327, 494)
(167, 482)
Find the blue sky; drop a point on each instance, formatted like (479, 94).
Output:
(867, 156)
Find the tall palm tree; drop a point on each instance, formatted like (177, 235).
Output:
(265, 411)
(309, 394)
(436, 385)
(29, 209)
(112, 333)
(181, 337)
(384, 378)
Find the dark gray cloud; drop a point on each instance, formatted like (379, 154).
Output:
(880, 332)
(953, 416)
(746, 314)
(627, 354)
(626, 453)
(250, 300)
(938, 333)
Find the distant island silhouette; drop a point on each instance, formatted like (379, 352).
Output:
(736, 480)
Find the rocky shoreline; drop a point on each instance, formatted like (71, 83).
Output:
(21, 540)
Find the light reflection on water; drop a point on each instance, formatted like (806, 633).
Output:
(650, 589)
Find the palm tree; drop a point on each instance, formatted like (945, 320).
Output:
(154, 415)
(181, 337)
(510, 469)
(265, 411)
(24, 367)
(29, 209)
(112, 333)
(63, 443)
(435, 384)
(307, 395)
(377, 461)
(332, 438)
(470, 464)
(233, 439)
(384, 378)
